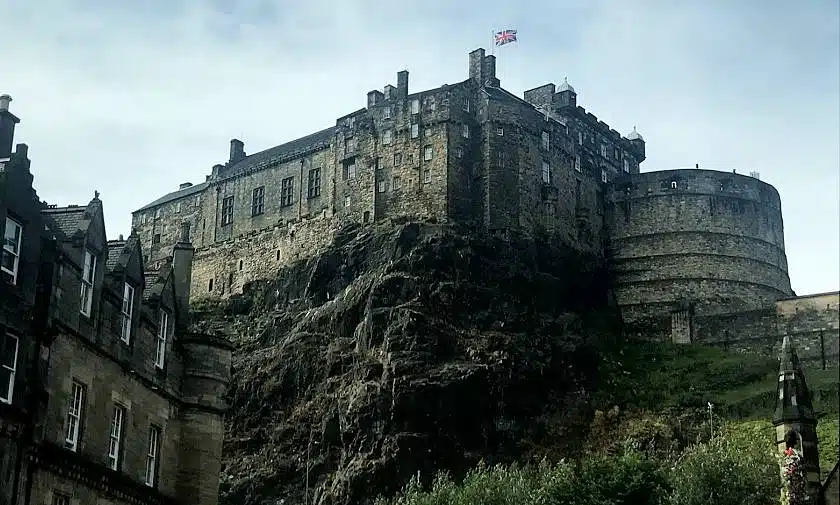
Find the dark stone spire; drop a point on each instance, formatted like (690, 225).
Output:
(793, 402)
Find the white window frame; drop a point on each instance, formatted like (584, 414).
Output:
(126, 312)
(163, 332)
(415, 130)
(115, 437)
(396, 184)
(427, 176)
(351, 170)
(415, 106)
(152, 456)
(500, 131)
(9, 393)
(427, 153)
(603, 176)
(75, 412)
(465, 131)
(604, 151)
(88, 278)
(12, 249)
(346, 201)
(177, 207)
(546, 142)
(386, 138)
(546, 172)
(577, 163)
(381, 186)
(626, 165)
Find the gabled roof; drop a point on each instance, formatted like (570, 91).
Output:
(289, 150)
(175, 195)
(66, 220)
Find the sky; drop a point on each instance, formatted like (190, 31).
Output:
(133, 98)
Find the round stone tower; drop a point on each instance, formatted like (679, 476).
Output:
(686, 242)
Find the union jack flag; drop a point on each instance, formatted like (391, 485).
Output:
(505, 37)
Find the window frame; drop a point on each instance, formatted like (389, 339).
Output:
(115, 436)
(258, 201)
(153, 456)
(6, 250)
(127, 316)
(10, 387)
(227, 210)
(545, 172)
(287, 192)
(428, 153)
(88, 281)
(75, 416)
(162, 338)
(314, 188)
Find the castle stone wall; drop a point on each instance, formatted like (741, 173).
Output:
(705, 240)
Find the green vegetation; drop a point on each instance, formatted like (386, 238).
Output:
(651, 442)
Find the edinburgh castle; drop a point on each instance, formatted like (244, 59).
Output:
(697, 255)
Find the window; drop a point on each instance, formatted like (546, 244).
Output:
(603, 175)
(382, 186)
(60, 499)
(626, 166)
(386, 137)
(397, 184)
(415, 130)
(158, 212)
(577, 162)
(465, 131)
(431, 104)
(152, 456)
(546, 172)
(466, 104)
(501, 157)
(673, 184)
(500, 131)
(314, 189)
(156, 238)
(88, 275)
(616, 154)
(177, 207)
(545, 140)
(603, 150)
(197, 201)
(258, 201)
(11, 249)
(346, 201)
(78, 395)
(287, 187)
(459, 153)
(386, 112)
(580, 138)
(415, 106)
(397, 159)
(428, 131)
(350, 169)
(210, 285)
(8, 367)
(227, 210)
(163, 331)
(427, 176)
(127, 309)
(427, 153)
(349, 145)
(115, 439)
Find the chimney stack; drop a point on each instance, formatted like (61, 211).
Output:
(477, 66)
(182, 259)
(402, 83)
(237, 151)
(7, 127)
(184, 185)
(490, 71)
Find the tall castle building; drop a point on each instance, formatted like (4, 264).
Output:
(108, 392)
(686, 246)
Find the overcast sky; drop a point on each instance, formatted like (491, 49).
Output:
(133, 98)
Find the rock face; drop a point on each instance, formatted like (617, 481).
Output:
(406, 348)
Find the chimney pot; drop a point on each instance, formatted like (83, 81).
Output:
(184, 185)
(120, 237)
(4, 102)
(237, 151)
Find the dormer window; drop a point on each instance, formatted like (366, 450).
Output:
(88, 274)
(163, 331)
(11, 250)
(126, 312)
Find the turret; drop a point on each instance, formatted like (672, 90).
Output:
(795, 412)
(637, 143)
(566, 95)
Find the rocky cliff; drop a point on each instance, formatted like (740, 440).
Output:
(407, 348)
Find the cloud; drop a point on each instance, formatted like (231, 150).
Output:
(134, 98)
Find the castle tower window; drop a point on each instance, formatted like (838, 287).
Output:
(258, 201)
(314, 189)
(350, 169)
(466, 104)
(177, 207)
(427, 153)
(11, 249)
(240, 265)
(115, 438)
(8, 368)
(158, 212)
(415, 130)
(427, 176)
(546, 172)
(156, 238)
(78, 396)
(500, 131)
(603, 150)
(350, 145)
(386, 112)
(428, 131)
(545, 140)
(227, 210)
(603, 175)
(163, 331)
(346, 201)
(287, 188)
(382, 186)
(127, 312)
(152, 456)
(366, 216)
(397, 159)
(432, 105)
(88, 274)
(673, 184)
(626, 166)
(386, 137)
(210, 285)
(397, 184)
(577, 163)
(580, 138)
(415, 106)
(465, 131)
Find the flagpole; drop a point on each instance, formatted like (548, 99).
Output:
(492, 42)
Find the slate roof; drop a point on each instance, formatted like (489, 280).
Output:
(175, 195)
(293, 149)
(65, 219)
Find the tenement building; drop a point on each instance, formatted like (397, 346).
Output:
(697, 255)
(112, 395)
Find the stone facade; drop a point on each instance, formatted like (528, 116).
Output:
(469, 152)
(124, 395)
